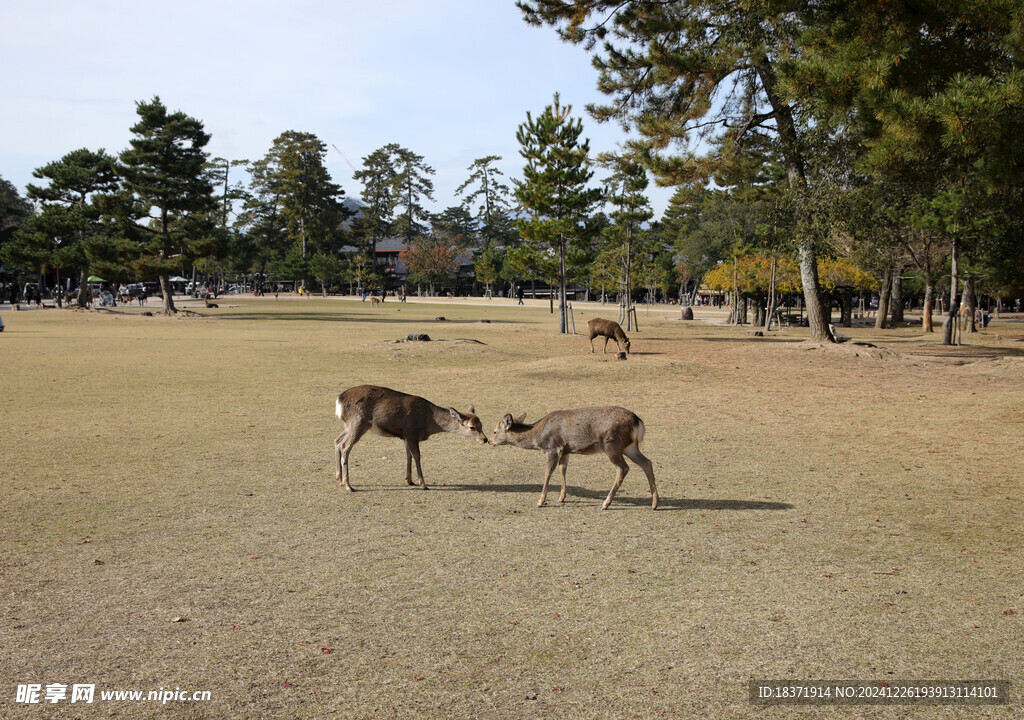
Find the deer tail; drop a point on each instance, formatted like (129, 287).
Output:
(337, 407)
(638, 430)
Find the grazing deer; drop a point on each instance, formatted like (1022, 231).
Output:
(375, 301)
(614, 431)
(609, 330)
(394, 414)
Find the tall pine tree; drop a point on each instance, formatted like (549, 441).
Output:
(69, 231)
(492, 198)
(695, 75)
(169, 198)
(412, 186)
(630, 208)
(554, 189)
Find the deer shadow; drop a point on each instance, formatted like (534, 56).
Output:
(580, 492)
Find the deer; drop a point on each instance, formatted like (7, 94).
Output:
(614, 431)
(609, 330)
(395, 414)
(375, 301)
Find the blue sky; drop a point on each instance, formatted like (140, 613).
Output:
(448, 79)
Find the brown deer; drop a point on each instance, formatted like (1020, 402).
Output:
(609, 330)
(614, 431)
(394, 414)
(375, 301)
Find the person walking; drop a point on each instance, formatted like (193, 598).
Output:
(519, 294)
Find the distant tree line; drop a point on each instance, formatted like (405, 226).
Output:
(884, 133)
(815, 148)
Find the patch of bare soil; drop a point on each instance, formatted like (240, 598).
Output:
(1005, 366)
(848, 349)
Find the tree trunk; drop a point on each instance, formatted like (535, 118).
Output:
(563, 318)
(734, 316)
(770, 309)
(165, 288)
(896, 300)
(792, 152)
(759, 310)
(949, 325)
(884, 296)
(846, 308)
(929, 303)
(968, 305)
(817, 319)
(83, 288)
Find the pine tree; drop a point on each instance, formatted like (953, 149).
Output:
(692, 74)
(69, 229)
(307, 204)
(492, 196)
(14, 210)
(554, 188)
(379, 196)
(631, 208)
(167, 186)
(412, 185)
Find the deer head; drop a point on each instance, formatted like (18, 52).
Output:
(469, 424)
(500, 436)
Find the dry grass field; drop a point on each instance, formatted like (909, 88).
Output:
(169, 517)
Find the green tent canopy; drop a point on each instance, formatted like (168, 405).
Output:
(94, 279)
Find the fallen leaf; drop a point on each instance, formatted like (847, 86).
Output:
(326, 650)
(179, 619)
(285, 683)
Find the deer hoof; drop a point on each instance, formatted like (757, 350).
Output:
(654, 503)
(424, 487)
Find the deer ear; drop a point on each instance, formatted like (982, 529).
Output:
(507, 421)
(521, 418)
(455, 414)
(471, 410)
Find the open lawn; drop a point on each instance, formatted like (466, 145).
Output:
(169, 517)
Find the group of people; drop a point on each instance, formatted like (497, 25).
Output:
(30, 294)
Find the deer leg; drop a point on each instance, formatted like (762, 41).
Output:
(644, 463)
(618, 462)
(592, 343)
(342, 447)
(408, 464)
(414, 449)
(552, 462)
(606, 345)
(563, 463)
(337, 453)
